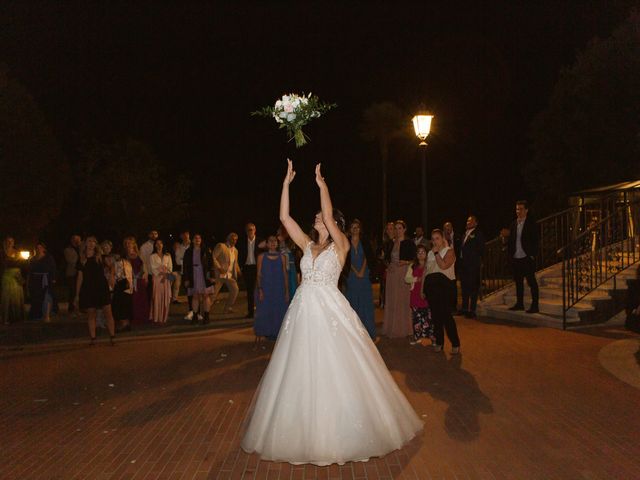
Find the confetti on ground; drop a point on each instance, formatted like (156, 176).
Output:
(112, 385)
(230, 401)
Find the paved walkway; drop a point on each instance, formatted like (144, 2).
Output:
(519, 403)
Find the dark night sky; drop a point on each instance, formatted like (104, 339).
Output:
(183, 77)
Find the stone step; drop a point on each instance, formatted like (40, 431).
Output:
(550, 306)
(502, 312)
(556, 282)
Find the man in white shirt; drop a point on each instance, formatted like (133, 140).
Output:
(146, 249)
(227, 270)
(419, 239)
(180, 248)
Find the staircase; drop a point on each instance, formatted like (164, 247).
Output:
(599, 305)
(587, 254)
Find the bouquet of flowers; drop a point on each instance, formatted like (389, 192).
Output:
(293, 112)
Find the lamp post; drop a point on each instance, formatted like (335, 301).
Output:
(422, 127)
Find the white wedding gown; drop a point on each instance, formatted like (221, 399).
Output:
(326, 396)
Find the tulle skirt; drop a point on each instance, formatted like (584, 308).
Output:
(326, 396)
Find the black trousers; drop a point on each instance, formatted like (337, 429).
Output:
(250, 273)
(470, 286)
(525, 268)
(437, 289)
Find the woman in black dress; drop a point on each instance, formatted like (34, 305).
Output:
(93, 289)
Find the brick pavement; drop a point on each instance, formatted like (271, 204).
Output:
(519, 403)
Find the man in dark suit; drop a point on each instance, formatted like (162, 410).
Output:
(523, 249)
(469, 262)
(248, 252)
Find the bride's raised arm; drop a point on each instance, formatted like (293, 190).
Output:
(338, 236)
(294, 230)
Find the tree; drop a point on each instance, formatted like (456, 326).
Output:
(589, 134)
(34, 171)
(382, 122)
(122, 187)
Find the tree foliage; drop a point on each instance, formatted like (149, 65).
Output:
(589, 134)
(33, 170)
(122, 187)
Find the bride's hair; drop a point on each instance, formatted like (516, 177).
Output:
(338, 216)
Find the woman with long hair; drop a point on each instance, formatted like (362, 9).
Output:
(93, 288)
(397, 310)
(272, 292)
(12, 297)
(161, 267)
(326, 396)
(440, 271)
(359, 291)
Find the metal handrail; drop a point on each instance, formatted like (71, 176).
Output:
(599, 254)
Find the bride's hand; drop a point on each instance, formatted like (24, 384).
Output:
(319, 178)
(291, 173)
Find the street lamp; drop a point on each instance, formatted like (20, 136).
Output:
(422, 127)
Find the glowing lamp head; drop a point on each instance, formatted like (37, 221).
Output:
(25, 255)
(422, 126)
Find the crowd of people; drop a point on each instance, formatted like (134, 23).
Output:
(418, 278)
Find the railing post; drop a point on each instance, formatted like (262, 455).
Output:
(564, 289)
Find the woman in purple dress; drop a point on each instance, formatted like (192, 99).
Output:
(272, 294)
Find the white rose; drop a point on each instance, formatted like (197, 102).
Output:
(291, 117)
(285, 99)
(283, 114)
(278, 103)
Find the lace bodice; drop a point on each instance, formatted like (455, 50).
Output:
(324, 270)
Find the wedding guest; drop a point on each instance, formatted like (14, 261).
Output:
(247, 258)
(418, 237)
(140, 295)
(291, 253)
(161, 267)
(359, 291)
(12, 297)
(449, 235)
(178, 252)
(469, 264)
(384, 256)
(93, 289)
(523, 248)
(420, 314)
(272, 293)
(108, 262)
(440, 271)
(122, 302)
(198, 267)
(71, 256)
(397, 312)
(225, 260)
(42, 279)
(146, 249)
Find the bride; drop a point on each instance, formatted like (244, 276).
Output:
(326, 396)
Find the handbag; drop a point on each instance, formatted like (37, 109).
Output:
(171, 277)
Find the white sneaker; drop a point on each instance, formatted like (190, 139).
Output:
(437, 348)
(455, 350)
(200, 318)
(189, 316)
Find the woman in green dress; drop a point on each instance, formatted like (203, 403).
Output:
(12, 297)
